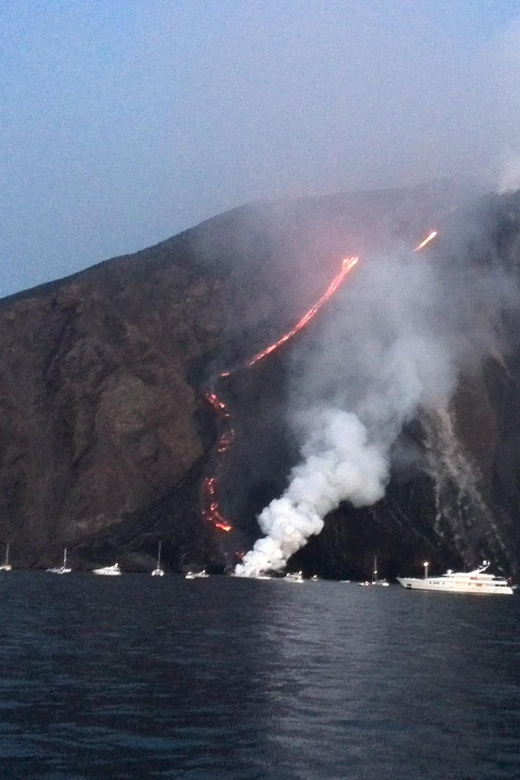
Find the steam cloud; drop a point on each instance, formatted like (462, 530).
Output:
(399, 332)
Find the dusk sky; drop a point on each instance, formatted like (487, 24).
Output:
(123, 123)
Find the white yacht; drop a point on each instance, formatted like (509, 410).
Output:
(476, 581)
(109, 571)
(158, 572)
(195, 575)
(295, 576)
(6, 566)
(64, 569)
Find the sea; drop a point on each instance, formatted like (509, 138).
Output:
(142, 677)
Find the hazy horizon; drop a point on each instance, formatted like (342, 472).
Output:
(124, 126)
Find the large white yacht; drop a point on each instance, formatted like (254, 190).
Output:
(476, 581)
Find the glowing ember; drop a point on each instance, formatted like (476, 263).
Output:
(211, 511)
(427, 240)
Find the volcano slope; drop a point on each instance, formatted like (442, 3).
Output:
(107, 439)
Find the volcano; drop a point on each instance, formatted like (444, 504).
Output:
(109, 442)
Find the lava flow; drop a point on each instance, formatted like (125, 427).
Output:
(211, 511)
(348, 263)
(427, 240)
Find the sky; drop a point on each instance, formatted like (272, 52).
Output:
(122, 124)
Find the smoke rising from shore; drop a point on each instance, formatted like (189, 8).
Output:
(396, 338)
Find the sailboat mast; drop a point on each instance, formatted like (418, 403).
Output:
(159, 554)
(7, 554)
(64, 557)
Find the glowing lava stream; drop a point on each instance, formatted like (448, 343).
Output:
(348, 263)
(427, 240)
(211, 511)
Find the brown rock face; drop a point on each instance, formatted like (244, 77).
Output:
(105, 436)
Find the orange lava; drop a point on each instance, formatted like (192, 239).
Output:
(211, 513)
(427, 240)
(347, 265)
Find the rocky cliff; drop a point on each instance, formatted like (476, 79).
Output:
(107, 437)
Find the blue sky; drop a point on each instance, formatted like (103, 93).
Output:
(124, 123)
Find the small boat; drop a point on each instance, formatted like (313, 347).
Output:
(195, 575)
(381, 583)
(158, 572)
(109, 571)
(295, 576)
(314, 578)
(63, 569)
(476, 581)
(6, 566)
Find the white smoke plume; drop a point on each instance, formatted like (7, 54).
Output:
(392, 344)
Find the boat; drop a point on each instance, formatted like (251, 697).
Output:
(374, 581)
(109, 571)
(476, 581)
(63, 569)
(6, 566)
(158, 572)
(195, 575)
(295, 576)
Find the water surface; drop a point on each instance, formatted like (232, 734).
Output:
(137, 677)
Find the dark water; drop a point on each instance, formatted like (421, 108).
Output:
(146, 678)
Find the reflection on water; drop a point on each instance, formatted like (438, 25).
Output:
(230, 678)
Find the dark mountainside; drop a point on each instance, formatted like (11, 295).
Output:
(106, 437)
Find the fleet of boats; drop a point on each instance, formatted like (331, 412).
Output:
(478, 581)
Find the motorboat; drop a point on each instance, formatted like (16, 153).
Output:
(476, 581)
(295, 576)
(6, 566)
(109, 571)
(63, 569)
(195, 575)
(158, 572)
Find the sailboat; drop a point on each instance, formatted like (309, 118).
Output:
(158, 572)
(375, 581)
(63, 569)
(6, 566)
